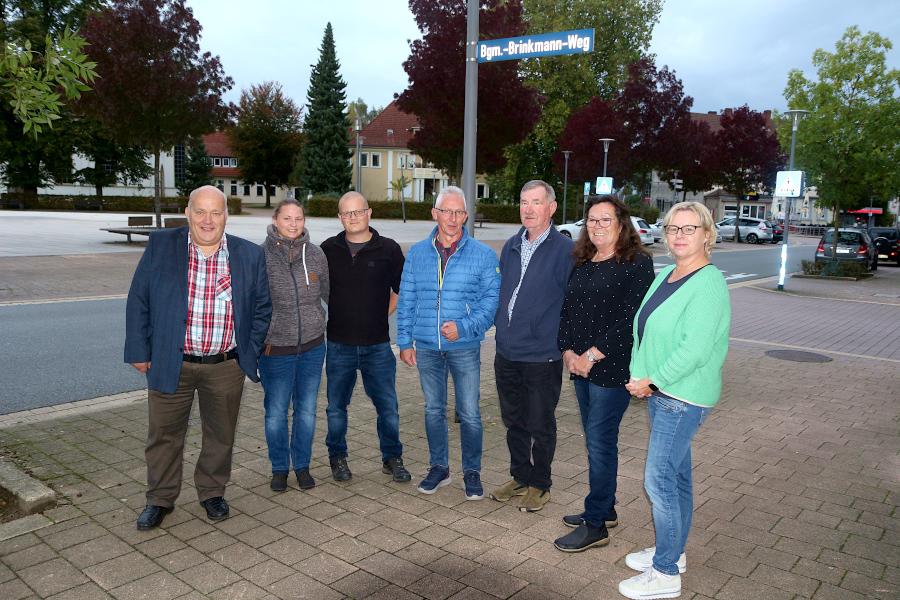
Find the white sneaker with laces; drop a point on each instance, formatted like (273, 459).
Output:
(651, 584)
(643, 560)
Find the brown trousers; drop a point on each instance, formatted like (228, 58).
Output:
(219, 388)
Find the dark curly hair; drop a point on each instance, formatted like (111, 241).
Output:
(628, 245)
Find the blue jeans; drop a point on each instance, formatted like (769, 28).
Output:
(379, 369)
(667, 478)
(291, 380)
(601, 410)
(465, 367)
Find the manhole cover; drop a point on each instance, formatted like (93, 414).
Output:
(798, 356)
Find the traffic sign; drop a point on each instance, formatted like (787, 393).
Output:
(587, 188)
(577, 41)
(789, 184)
(604, 185)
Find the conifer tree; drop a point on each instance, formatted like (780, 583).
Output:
(197, 167)
(325, 160)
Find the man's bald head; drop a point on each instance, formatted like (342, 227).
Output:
(353, 198)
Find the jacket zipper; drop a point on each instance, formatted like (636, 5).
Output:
(296, 298)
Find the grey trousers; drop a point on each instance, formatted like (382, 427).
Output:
(219, 388)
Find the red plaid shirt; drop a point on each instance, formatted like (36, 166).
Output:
(210, 320)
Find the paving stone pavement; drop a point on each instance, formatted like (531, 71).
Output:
(797, 480)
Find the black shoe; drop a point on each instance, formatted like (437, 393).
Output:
(279, 481)
(582, 538)
(216, 508)
(152, 516)
(340, 470)
(305, 480)
(394, 467)
(612, 519)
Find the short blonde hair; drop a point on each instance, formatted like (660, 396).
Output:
(706, 222)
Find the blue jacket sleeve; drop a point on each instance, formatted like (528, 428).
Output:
(406, 305)
(484, 309)
(137, 311)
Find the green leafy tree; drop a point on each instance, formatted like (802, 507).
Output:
(267, 137)
(42, 66)
(197, 167)
(113, 162)
(848, 143)
(325, 159)
(359, 108)
(623, 31)
(155, 87)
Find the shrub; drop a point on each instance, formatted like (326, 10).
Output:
(833, 268)
(174, 204)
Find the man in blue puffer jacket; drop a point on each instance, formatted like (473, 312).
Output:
(448, 297)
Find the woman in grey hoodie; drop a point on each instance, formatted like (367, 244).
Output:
(290, 366)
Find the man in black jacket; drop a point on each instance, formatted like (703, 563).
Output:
(364, 271)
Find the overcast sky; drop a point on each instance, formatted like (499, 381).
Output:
(726, 52)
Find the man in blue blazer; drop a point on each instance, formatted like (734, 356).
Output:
(197, 315)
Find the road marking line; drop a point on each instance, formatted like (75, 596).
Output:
(755, 281)
(60, 300)
(808, 349)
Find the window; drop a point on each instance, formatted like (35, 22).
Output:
(220, 184)
(246, 189)
(364, 159)
(233, 162)
(259, 190)
(297, 194)
(480, 190)
(234, 188)
(179, 163)
(376, 160)
(217, 162)
(271, 190)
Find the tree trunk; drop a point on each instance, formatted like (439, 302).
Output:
(157, 202)
(268, 197)
(836, 219)
(737, 223)
(98, 190)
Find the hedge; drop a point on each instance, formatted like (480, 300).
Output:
(174, 204)
(326, 206)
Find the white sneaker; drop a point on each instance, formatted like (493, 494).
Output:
(643, 560)
(651, 584)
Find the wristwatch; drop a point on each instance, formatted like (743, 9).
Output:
(591, 357)
(652, 387)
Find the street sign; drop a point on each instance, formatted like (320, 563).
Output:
(789, 184)
(587, 188)
(577, 41)
(604, 185)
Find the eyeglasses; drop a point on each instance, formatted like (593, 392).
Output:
(604, 222)
(459, 214)
(358, 214)
(685, 229)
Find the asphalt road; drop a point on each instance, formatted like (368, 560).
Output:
(58, 352)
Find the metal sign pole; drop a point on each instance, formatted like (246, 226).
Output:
(470, 121)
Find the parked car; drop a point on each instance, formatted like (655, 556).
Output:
(887, 243)
(718, 235)
(777, 232)
(753, 231)
(853, 245)
(573, 230)
(656, 230)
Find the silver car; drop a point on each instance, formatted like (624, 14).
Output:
(573, 230)
(753, 231)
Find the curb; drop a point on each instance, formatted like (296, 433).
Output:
(31, 495)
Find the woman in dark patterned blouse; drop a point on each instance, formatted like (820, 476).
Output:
(612, 274)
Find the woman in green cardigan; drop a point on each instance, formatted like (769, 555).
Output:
(680, 343)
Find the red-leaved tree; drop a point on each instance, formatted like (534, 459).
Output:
(507, 109)
(747, 154)
(155, 87)
(599, 119)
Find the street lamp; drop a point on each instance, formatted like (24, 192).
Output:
(358, 157)
(566, 154)
(795, 114)
(606, 142)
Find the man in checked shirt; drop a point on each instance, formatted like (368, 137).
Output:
(197, 315)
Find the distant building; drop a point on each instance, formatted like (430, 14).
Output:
(226, 173)
(385, 157)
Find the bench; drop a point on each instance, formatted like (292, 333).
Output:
(175, 222)
(138, 226)
(480, 220)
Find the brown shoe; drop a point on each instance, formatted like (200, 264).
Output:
(509, 490)
(534, 500)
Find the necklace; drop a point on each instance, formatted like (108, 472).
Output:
(602, 258)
